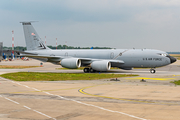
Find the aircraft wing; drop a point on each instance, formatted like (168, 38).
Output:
(42, 56)
(85, 61)
(114, 63)
(35, 55)
(23, 52)
(117, 61)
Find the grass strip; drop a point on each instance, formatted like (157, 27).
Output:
(35, 76)
(15, 67)
(176, 82)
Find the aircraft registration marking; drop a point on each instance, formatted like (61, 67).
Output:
(155, 59)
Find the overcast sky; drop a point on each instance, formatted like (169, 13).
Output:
(120, 24)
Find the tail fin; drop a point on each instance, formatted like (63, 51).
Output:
(33, 41)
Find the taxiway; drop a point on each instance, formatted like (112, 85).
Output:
(129, 99)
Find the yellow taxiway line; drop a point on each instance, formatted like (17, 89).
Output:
(85, 93)
(123, 99)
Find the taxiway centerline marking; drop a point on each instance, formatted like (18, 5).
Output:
(82, 91)
(123, 99)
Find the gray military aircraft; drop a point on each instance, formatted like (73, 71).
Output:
(94, 59)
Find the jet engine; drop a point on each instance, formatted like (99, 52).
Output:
(71, 63)
(103, 65)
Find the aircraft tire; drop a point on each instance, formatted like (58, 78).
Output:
(86, 70)
(152, 71)
(91, 70)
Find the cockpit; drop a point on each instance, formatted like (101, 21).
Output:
(163, 54)
(172, 59)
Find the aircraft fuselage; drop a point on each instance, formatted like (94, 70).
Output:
(139, 58)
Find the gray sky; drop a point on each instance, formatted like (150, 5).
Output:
(153, 24)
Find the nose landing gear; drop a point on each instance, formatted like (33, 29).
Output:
(152, 70)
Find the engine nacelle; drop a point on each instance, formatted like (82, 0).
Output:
(71, 63)
(103, 65)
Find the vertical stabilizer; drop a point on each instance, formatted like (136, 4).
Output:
(33, 41)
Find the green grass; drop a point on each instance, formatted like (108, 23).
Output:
(176, 82)
(35, 76)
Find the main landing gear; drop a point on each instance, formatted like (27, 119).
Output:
(89, 70)
(86, 70)
(152, 70)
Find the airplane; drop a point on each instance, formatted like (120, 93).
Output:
(93, 60)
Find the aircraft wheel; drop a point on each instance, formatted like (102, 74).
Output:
(86, 70)
(91, 70)
(152, 70)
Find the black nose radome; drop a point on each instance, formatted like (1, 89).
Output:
(172, 59)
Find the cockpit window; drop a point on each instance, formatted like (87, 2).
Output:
(163, 54)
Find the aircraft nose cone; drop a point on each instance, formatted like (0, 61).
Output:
(172, 59)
